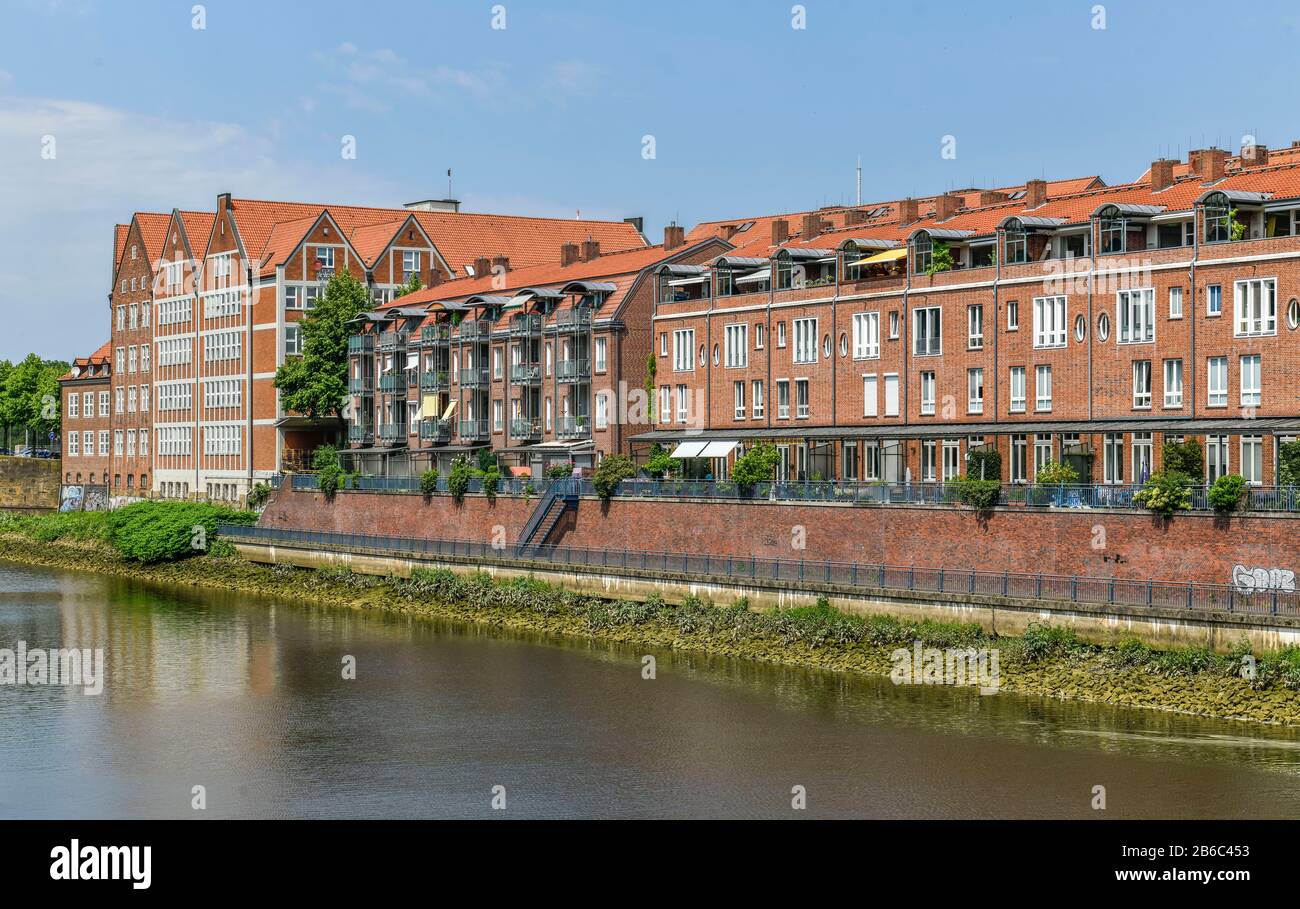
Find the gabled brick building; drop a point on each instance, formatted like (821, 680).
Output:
(85, 397)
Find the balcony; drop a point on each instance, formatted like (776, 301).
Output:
(573, 371)
(435, 380)
(526, 430)
(435, 334)
(393, 383)
(525, 325)
(392, 432)
(578, 427)
(473, 430)
(573, 319)
(525, 373)
(436, 431)
(364, 435)
(364, 385)
(474, 378)
(474, 331)
(393, 340)
(360, 344)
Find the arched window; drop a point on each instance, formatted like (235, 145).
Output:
(1218, 218)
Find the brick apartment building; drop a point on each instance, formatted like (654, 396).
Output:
(543, 364)
(204, 308)
(1075, 321)
(86, 392)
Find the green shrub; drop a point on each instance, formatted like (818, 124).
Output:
(981, 495)
(166, 531)
(458, 479)
(1040, 642)
(324, 456)
(984, 464)
(1288, 455)
(258, 495)
(428, 483)
(330, 477)
(1227, 493)
(1165, 492)
(491, 482)
(1055, 473)
(559, 471)
(758, 465)
(660, 464)
(610, 472)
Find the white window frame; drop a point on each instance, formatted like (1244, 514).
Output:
(1042, 403)
(737, 345)
(975, 326)
(805, 340)
(1141, 384)
(870, 395)
(1252, 384)
(929, 392)
(866, 336)
(1216, 395)
(1051, 320)
(1254, 311)
(975, 390)
(1135, 316)
(931, 317)
(1173, 382)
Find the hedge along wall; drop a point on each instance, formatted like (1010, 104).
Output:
(1199, 548)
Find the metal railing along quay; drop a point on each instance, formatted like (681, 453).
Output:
(1046, 588)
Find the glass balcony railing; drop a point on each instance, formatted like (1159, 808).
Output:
(393, 383)
(474, 378)
(525, 429)
(393, 340)
(474, 331)
(435, 380)
(473, 430)
(573, 370)
(365, 385)
(573, 318)
(358, 344)
(525, 373)
(364, 435)
(432, 334)
(392, 432)
(525, 325)
(437, 431)
(578, 427)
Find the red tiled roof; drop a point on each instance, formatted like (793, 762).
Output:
(101, 355)
(459, 236)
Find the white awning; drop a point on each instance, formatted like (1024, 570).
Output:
(681, 282)
(688, 450)
(755, 276)
(718, 449)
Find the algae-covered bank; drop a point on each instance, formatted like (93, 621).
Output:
(1046, 662)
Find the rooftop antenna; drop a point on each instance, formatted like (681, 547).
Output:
(859, 180)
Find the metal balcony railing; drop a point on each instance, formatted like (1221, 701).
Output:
(573, 318)
(364, 385)
(358, 344)
(525, 325)
(393, 340)
(525, 373)
(573, 370)
(474, 378)
(393, 383)
(473, 430)
(479, 330)
(364, 435)
(433, 334)
(435, 380)
(525, 429)
(437, 431)
(392, 432)
(568, 427)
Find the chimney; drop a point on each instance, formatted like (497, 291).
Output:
(812, 226)
(1035, 193)
(727, 231)
(568, 253)
(780, 231)
(1208, 163)
(436, 277)
(1254, 155)
(503, 262)
(990, 197)
(638, 223)
(1162, 174)
(854, 216)
(482, 266)
(946, 206)
(590, 250)
(907, 211)
(223, 201)
(674, 236)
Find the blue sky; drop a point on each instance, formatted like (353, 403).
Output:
(547, 116)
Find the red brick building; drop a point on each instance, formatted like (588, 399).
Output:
(86, 401)
(1053, 321)
(543, 364)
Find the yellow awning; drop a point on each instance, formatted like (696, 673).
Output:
(889, 255)
(450, 408)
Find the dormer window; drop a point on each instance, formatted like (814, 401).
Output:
(923, 247)
(1112, 230)
(1218, 218)
(1016, 243)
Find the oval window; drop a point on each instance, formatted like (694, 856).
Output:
(1080, 328)
(1103, 326)
(715, 355)
(1293, 314)
(844, 344)
(703, 361)
(826, 345)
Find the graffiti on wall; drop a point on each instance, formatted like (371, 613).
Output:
(83, 498)
(1252, 580)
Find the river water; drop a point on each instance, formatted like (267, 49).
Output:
(245, 698)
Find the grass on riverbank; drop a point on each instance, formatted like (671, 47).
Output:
(147, 532)
(1046, 660)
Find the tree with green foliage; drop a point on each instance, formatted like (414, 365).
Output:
(980, 494)
(984, 464)
(940, 259)
(409, 287)
(758, 465)
(1288, 455)
(1056, 473)
(316, 383)
(166, 531)
(429, 482)
(1227, 493)
(610, 472)
(660, 464)
(1184, 457)
(458, 479)
(651, 369)
(30, 399)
